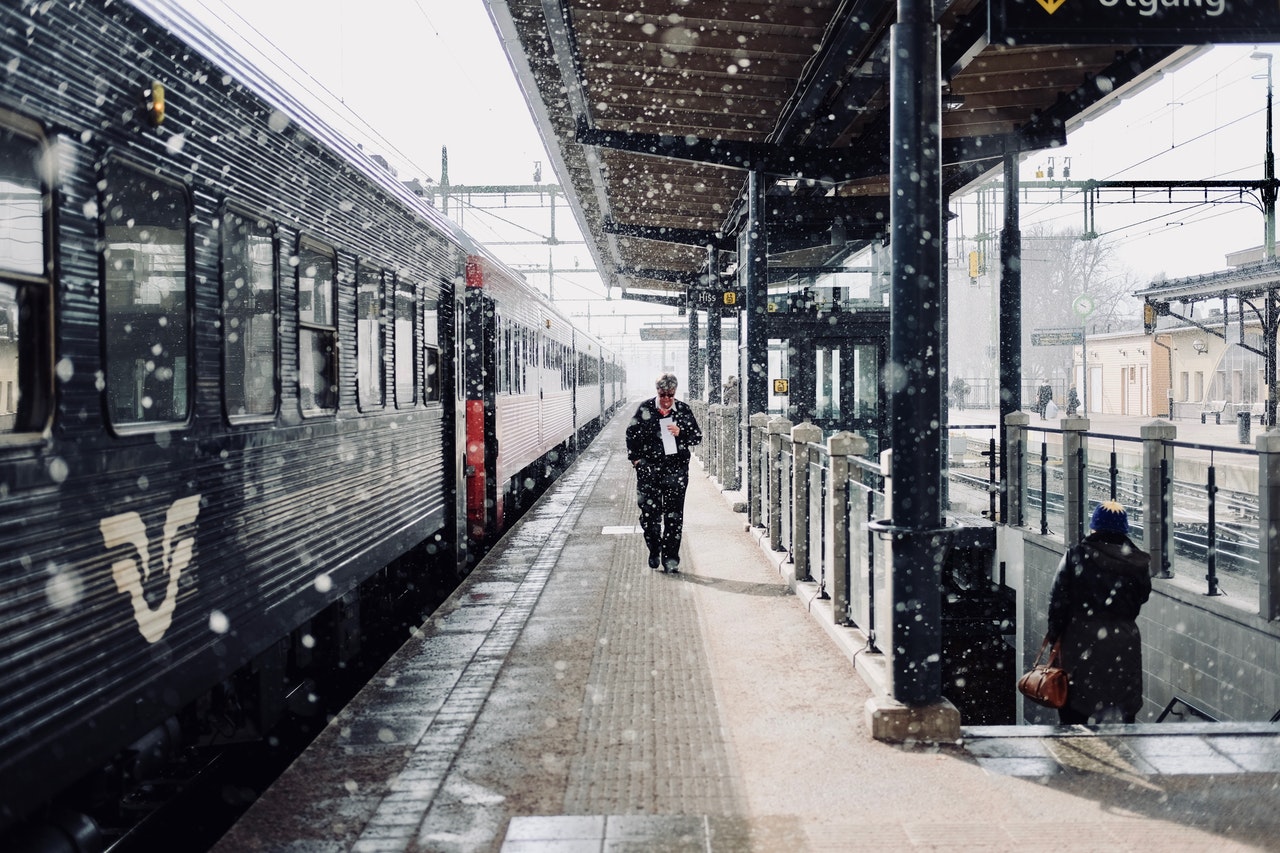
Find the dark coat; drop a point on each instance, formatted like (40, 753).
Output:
(1101, 585)
(644, 441)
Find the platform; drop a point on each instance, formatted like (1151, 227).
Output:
(568, 698)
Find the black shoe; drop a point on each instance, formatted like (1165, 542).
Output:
(671, 565)
(654, 561)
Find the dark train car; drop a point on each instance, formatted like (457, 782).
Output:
(232, 385)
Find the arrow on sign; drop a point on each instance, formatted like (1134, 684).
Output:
(1051, 6)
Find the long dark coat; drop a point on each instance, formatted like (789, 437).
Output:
(661, 479)
(1101, 585)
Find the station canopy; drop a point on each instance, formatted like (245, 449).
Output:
(656, 111)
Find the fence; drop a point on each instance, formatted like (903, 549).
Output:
(814, 500)
(1209, 515)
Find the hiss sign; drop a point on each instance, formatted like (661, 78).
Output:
(1134, 22)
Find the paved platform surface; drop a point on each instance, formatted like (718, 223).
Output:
(568, 698)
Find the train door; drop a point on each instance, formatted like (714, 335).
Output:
(478, 345)
(453, 377)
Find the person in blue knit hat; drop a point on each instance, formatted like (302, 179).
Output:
(1101, 585)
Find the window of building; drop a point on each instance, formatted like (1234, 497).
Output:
(250, 269)
(146, 313)
(26, 348)
(317, 329)
(370, 338)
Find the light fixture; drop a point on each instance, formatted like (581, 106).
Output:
(839, 236)
(1199, 346)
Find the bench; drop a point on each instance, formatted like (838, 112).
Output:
(1215, 408)
(1258, 410)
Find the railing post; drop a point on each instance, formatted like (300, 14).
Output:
(1075, 479)
(1155, 500)
(711, 441)
(1268, 445)
(777, 428)
(702, 451)
(1015, 486)
(729, 446)
(802, 435)
(840, 447)
(757, 452)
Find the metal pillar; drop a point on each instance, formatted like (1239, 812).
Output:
(915, 399)
(695, 354)
(713, 328)
(753, 335)
(1011, 316)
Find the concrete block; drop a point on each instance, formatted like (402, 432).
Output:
(893, 722)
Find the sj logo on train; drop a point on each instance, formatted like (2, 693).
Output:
(175, 555)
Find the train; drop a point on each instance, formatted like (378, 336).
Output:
(244, 372)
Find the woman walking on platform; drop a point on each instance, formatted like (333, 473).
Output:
(658, 440)
(1101, 585)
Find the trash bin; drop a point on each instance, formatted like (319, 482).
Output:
(1242, 426)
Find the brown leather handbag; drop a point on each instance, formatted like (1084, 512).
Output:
(1045, 683)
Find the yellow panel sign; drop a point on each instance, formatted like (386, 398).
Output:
(780, 386)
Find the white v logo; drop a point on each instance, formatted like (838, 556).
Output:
(128, 529)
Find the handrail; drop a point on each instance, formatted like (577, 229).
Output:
(1195, 712)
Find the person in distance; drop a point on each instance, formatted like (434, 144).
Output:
(658, 440)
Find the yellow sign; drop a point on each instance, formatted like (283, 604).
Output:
(780, 386)
(730, 298)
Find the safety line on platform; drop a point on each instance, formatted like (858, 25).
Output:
(396, 821)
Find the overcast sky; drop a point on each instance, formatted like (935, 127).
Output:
(417, 75)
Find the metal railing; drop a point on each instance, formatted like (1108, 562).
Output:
(1195, 514)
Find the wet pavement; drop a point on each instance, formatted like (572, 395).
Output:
(568, 698)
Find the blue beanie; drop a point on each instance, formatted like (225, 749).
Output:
(1110, 517)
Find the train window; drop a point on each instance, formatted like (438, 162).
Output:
(431, 354)
(504, 360)
(26, 352)
(317, 328)
(249, 274)
(406, 344)
(370, 347)
(146, 307)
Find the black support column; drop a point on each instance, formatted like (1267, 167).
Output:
(695, 356)
(1011, 318)
(753, 335)
(915, 368)
(713, 326)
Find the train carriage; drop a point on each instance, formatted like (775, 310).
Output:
(547, 392)
(233, 372)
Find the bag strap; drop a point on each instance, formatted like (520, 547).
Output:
(1040, 653)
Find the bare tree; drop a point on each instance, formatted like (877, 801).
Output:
(1070, 283)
